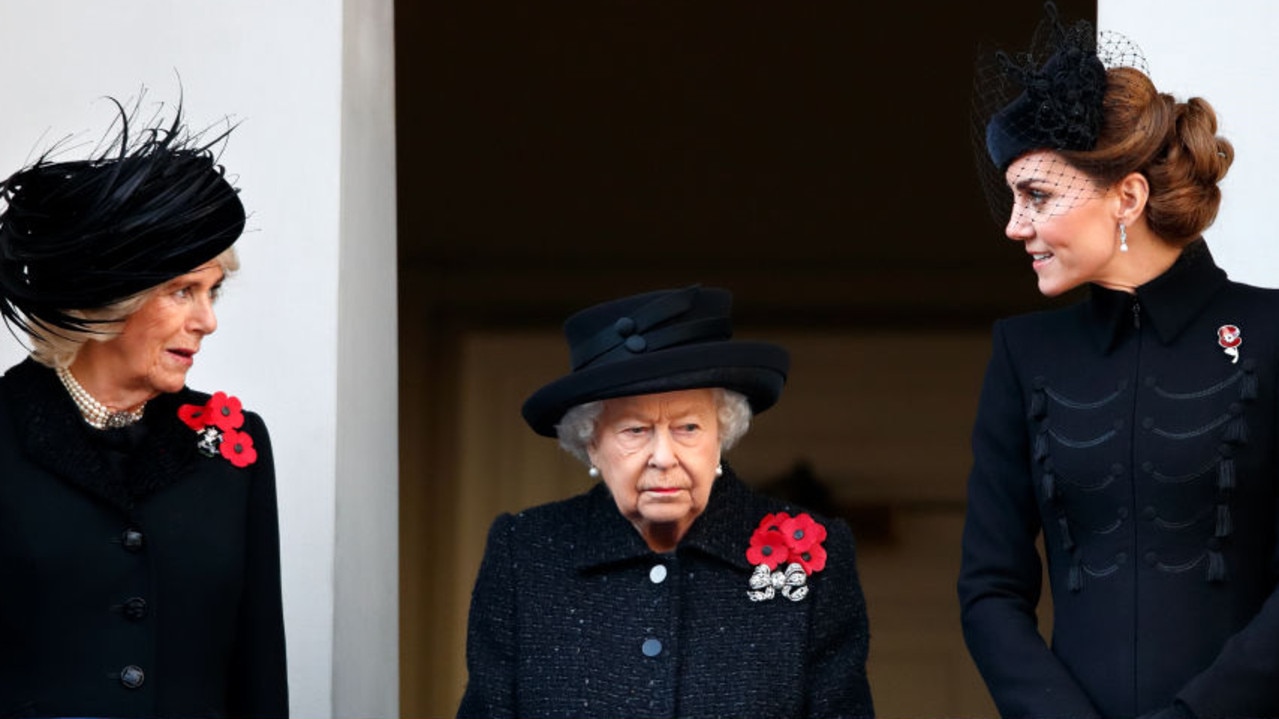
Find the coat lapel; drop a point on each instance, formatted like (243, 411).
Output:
(55, 437)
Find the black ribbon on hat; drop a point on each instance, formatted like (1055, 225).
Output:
(630, 335)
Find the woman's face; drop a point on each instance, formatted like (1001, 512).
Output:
(158, 342)
(658, 453)
(1069, 225)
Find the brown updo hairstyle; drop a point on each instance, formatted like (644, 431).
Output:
(1173, 144)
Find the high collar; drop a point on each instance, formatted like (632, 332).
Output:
(722, 531)
(1167, 303)
(120, 466)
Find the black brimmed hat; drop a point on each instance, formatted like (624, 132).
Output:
(658, 342)
(84, 234)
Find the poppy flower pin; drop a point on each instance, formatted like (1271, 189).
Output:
(217, 424)
(1230, 337)
(792, 543)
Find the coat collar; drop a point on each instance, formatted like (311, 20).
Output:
(722, 531)
(120, 466)
(1168, 303)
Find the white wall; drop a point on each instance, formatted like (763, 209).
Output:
(307, 328)
(1223, 51)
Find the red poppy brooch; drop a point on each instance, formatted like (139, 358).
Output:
(793, 543)
(1229, 337)
(217, 424)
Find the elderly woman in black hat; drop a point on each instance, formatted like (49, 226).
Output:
(1133, 432)
(670, 589)
(139, 550)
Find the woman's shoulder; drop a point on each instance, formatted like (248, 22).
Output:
(554, 517)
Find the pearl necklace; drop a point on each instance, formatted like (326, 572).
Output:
(98, 415)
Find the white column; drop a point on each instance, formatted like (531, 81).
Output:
(307, 328)
(1224, 52)
(366, 646)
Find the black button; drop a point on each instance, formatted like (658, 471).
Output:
(1147, 467)
(624, 326)
(132, 676)
(1116, 469)
(135, 609)
(1152, 559)
(1123, 512)
(1149, 513)
(1148, 422)
(132, 540)
(1121, 558)
(636, 343)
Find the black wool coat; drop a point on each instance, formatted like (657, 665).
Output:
(140, 577)
(574, 616)
(1123, 431)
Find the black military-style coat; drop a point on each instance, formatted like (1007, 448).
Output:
(139, 577)
(1138, 434)
(574, 616)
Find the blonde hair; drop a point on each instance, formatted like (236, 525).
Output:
(59, 347)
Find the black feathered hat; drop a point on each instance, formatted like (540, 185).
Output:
(83, 234)
(658, 342)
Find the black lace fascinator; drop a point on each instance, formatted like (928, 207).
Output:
(1049, 96)
(149, 205)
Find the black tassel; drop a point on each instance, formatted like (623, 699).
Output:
(1225, 526)
(1038, 405)
(1216, 566)
(1050, 485)
(1237, 431)
(1248, 388)
(1076, 582)
(1226, 474)
(1067, 542)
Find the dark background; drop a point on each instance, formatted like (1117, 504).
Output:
(815, 158)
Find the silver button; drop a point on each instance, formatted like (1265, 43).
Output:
(657, 574)
(132, 676)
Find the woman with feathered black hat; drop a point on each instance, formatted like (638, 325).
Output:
(1134, 432)
(670, 589)
(139, 549)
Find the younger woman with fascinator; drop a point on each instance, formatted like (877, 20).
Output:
(1134, 432)
(139, 549)
(670, 589)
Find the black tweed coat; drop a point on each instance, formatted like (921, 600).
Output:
(574, 616)
(138, 578)
(1145, 453)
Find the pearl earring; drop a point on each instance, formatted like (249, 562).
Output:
(719, 470)
(1123, 238)
(594, 472)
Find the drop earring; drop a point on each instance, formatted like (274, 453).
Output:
(1123, 238)
(719, 470)
(594, 472)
